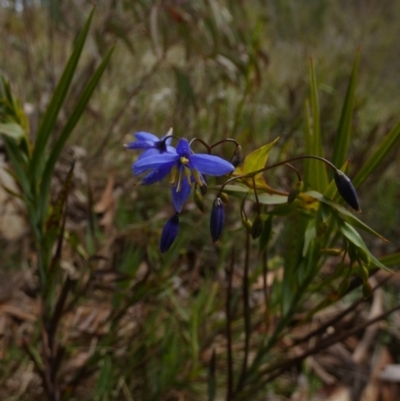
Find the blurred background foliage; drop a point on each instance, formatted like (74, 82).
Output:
(210, 69)
(215, 69)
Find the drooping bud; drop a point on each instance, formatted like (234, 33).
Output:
(295, 191)
(332, 251)
(224, 197)
(203, 189)
(237, 156)
(257, 227)
(169, 233)
(347, 190)
(217, 219)
(343, 286)
(247, 224)
(366, 289)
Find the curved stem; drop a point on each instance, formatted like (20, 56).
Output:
(202, 142)
(225, 140)
(295, 170)
(282, 163)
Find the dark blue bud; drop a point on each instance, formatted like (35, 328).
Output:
(237, 156)
(217, 219)
(347, 190)
(169, 233)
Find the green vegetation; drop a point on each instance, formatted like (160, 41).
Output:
(94, 310)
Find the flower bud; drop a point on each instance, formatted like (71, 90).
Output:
(332, 251)
(366, 289)
(347, 190)
(169, 233)
(257, 227)
(363, 273)
(295, 191)
(247, 224)
(343, 286)
(217, 219)
(237, 156)
(224, 197)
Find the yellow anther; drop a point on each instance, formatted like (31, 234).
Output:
(174, 174)
(184, 160)
(197, 178)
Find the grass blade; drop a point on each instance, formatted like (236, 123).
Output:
(376, 158)
(50, 117)
(70, 125)
(315, 174)
(343, 136)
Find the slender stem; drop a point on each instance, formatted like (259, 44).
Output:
(295, 170)
(225, 140)
(202, 142)
(255, 194)
(246, 312)
(264, 257)
(229, 275)
(285, 162)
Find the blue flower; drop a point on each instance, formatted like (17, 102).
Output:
(169, 233)
(185, 167)
(151, 144)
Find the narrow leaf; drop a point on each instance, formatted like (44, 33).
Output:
(343, 136)
(315, 176)
(348, 216)
(70, 125)
(355, 238)
(376, 158)
(49, 119)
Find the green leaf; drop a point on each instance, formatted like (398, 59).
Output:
(355, 238)
(265, 198)
(12, 130)
(50, 117)
(255, 161)
(309, 235)
(342, 139)
(348, 216)
(292, 241)
(69, 126)
(376, 158)
(315, 174)
(390, 260)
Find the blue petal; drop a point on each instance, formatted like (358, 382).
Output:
(152, 162)
(149, 152)
(179, 198)
(158, 174)
(183, 148)
(171, 149)
(139, 145)
(211, 165)
(169, 233)
(145, 136)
